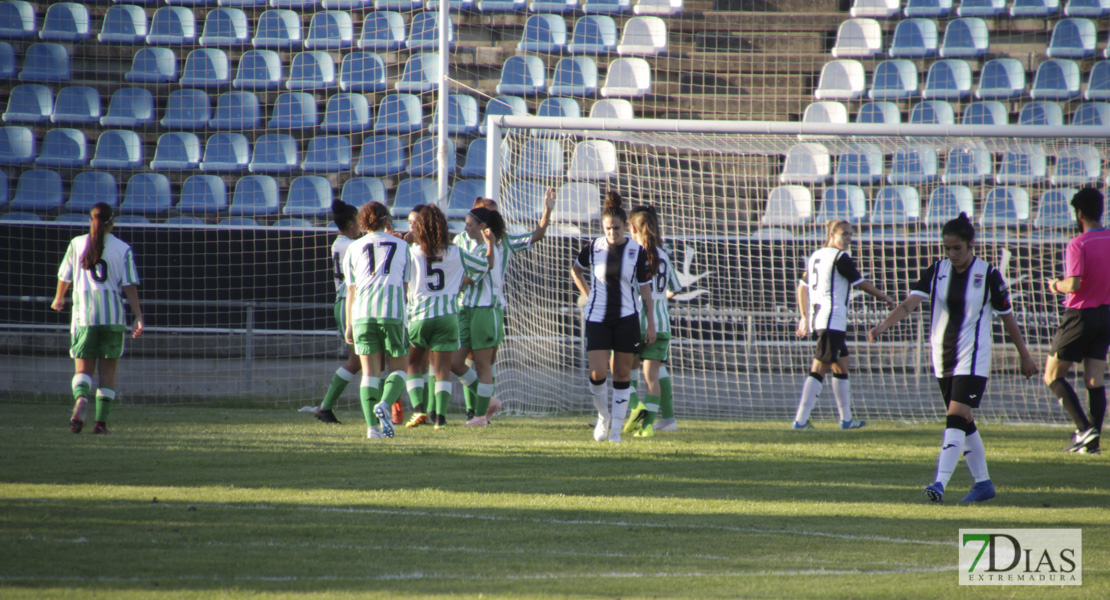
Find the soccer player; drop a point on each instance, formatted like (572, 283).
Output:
(346, 219)
(438, 269)
(1084, 332)
(823, 293)
(99, 266)
(375, 269)
(964, 292)
(618, 268)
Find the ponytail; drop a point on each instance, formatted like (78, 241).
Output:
(611, 207)
(646, 221)
(344, 214)
(99, 225)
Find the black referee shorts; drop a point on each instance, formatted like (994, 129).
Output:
(831, 345)
(1083, 333)
(965, 389)
(618, 335)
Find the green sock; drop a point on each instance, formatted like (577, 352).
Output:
(394, 387)
(484, 393)
(339, 383)
(415, 385)
(651, 405)
(104, 397)
(470, 396)
(666, 399)
(368, 395)
(82, 386)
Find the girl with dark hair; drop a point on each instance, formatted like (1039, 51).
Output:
(964, 292)
(346, 219)
(101, 269)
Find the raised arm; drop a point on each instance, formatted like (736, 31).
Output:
(1027, 366)
(545, 219)
(900, 312)
(132, 294)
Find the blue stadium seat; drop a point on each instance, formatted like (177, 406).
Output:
(64, 148)
(123, 24)
(858, 38)
(19, 217)
(894, 80)
(153, 65)
(29, 103)
(346, 113)
(492, 6)
(184, 221)
(541, 159)
(203, 195)
(399, 113)
(988, 112)
(77, 105)
(7, 61)
(38, 190)
(382, 32)
(330, 30)
(553, 6)
(411, 192)
(423, 162)
(1091, 114)
(17, 20)
(404, 5)
(981, 8)
(879, 112)
(237, 222)
(1091, 9)
(1072, 38)
(1025, 9)
(294, 222)
(66, 22)
(1001, 79)
(258, 70)
(298, 4)
(574, 76)
(421, 73)
(360, 190)
(72, 218)
(3, 189)
(206, 68)
(841, 79)
(543, 33)
(968, 163)
(1078, 164)
(191, 2)
(475, 162)
(308, 196)
(575, 203)
(45, 62)
(226, 153)
(362, 72)
(861, 165)
(503, 105)
(932, 112)
(1054, 211)
(187, 110)
(311, 71)
(914, 38)
(627, 77)
(788, 205)
(966, 37)
(1041, 113)
(1098, 83)
(277, 30)
(255, 196)
(347, 4)
(460, 200)
(424, 32)
(130, 107)
(523, 76)
(947, 202)
(1056, 79)
(327, 154)
(225, 27)
(806, 163)
(1005, 207)
(644, 36)
(1023, 164)
(606, 7)
(236, 110)
(619, 108)
(593, 34)
(90, 187)
(462, 115)
(381, 155)
(118, 149)
(274, 153)
(17, 145)
(595, 160)
(172, 26)
(844, 202)
(127, 220)
(177, 151)
(294, 110)
(928, 8)
(948, 79)
(824, 111)
(896, 205)
(913, 164)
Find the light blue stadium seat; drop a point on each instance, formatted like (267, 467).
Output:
(312, 71)
(1001, 79)
(968, 163)
(403, 5)
(236, 110)
(346, 4)
(928, 8)
(346, 113)
(255, 196)
(619, 108)
(541, 159)
(577, 202)
(1054, 211)
(1091, 9)
(278, 29)
(29, 103)
(503, 105)
(566, 108)
(381, 155)
(574, 76)
(17, 20)
(1056, 79)
(362, 72)
(65, 148)
(845, 202)
(294, 222)
(176, 151)
(879, 112)
(841, 79)
(913, 164)
(7, 61)
(327, 154)
(38, 190)
(894, 80)
(981, 8)
(294, 110)
(1091, 114)
(1005, 207)
(423, 162)
(258, 70)
(330, 30)
(966, 37)
(45, 62)
(90, 187)
(274, 153)
(595, 160)
(553, 6)
(66, 22)
(543, 33)
(203, 195)
(237, 222)
(20, 217)
(226, 152)
(606, 7)
(475, 162)
(295, 4)
(77, 105)
(788, 205)
(948, 79)
(988, 112)
(153, 65)
(628, 77)
(523, 76)
(947, 202)
(644, 36)
(1072, 38)
(492, 6)
(460, 200)
(462, 115)
(861, 165)
(858, 38)
(932, 112)
(914, 38)
(807, 163)
(17, 145)
(191, 2)
(118, 149)
(1023, 164)
(411, 192)
(593, 34)
(1078, 164)
(382, 32)
(180, 221)
(130, 107)
(424, 32)
(360, 190)
(123, 24)
(399, 113)
(308, 196)
(187, 110)
(225, 27)
(1041, 113)
(147, 194)
(172, 26)
(206, 68)
(1025, 9)
(1098, 83)
(896, 205)
(421, 73)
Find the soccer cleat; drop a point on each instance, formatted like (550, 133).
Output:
(806, 425)
(381, 411)
(614, 435)
(635, 419)
(477, 422)
(374, 433)
(982, 490)
(1089, 450)
(77, 421)
(441, 422)
(326, 416)
(1082, 438)
(666, 425)
(935, 492)
(644, 432)
(469, 414)
(101, 429)
(398, 413)
(417, 420)
(601, 430)
(852, 424)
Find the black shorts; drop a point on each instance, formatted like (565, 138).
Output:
(831, 345)
(1083, 333)
(620, 335)
(965, 389)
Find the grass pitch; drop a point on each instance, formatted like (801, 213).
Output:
(239, 503)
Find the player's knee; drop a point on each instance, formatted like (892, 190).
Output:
(956, 422)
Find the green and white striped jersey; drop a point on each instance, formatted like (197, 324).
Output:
(490, 291)
(98, 294)
(338, 251)
(434, 285)
(377, 265)
(665, 278)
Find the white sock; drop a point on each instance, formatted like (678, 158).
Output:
(975, 457)
(843, 397)
(469, 377)
(600, 395)
(620, 410)
(810, 390)
(417, 382)
(345, 375)
(950, 451)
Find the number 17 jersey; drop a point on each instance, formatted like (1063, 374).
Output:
(376, 266)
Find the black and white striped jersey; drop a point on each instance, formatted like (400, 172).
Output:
(830, 274)
(962, 305)
(618, 272)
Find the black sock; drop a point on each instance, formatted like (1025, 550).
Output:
(1097, 399)
(1070, 402)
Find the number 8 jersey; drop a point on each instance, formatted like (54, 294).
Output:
(377, 265)
(830, 275)
(97, 298)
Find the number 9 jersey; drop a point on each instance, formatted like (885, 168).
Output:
(376, 266)
(97, 294)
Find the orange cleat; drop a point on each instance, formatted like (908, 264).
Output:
(398, 413)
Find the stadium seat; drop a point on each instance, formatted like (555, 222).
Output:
(411, 192)
(362, 72)
(236, 110)
(382, 32)
(462, 115)
(913, 164)
(172, 26)
(226, 153)
(1056, 79)
(914, 38)
(252, 3)
(1023, 164)
(90, 187)
(65, 148)
(553, 6)
(153, 65)
(876, 9)
(225, 27)
(879, 112)
(1035, 9)
(894, 80)
(841, 79)
(346, 113)
(503, 105)
(423, 160)
(327, 154)
(968, 163)
(184, 221)
(258, 70)
(475, 163)
(424, 32)
(72, 217)
(593, 160)
(45, 62)
(29, 103)
(659, 8)
(294, 110)
(577, 202)
(77, 105)
(38, 190)
(788, 205)
(1091, 114)
(405, 5)
(932, 112)
(523, 76)
(627, 78)
(274, 153)
(399, 113)
(330, 30)
(947, 202)
(308, 196)
(191, 2)
(646, 36)
(295, 4)
(574, 76)
(1072, 38)
(844, 202)
(1098, 83)
(1078, 164)
(593, 34)
(858, 38)
(460, 200)
(948, 79)
(66, 22)
(541, 159)
(807, 163)
(825, 111)
(17, 20)
(421, 73)
(543, 33)
(492, 6)
(1005, 207)
(19, 217)
(187, 110)
(1054, 211)
(1041, 113)
(203, 195)
(606, 7)
(127, 220)
(928, 8)
(981, 8)
(312, 71)
(989, 112)
(455, 5)
(381, 155)
(896, 205)
(130, 107)
(206, 68)
(1091, 9)
(861, 165)
(17, 145)
(7, 61)
(237, 222)
(123, 24)
(278, 29)
(1001, 79)
(360, 190)
(177, 151)
(255, 196)
(294, 222)
(612, 108)
(966, 37)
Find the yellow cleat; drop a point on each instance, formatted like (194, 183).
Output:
(417, 419)
(635, 419)
(645, 432)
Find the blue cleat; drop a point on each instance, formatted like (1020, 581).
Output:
(852, 424)
(806, 425)
(935, 492)
(983, 490)
(383, 412)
